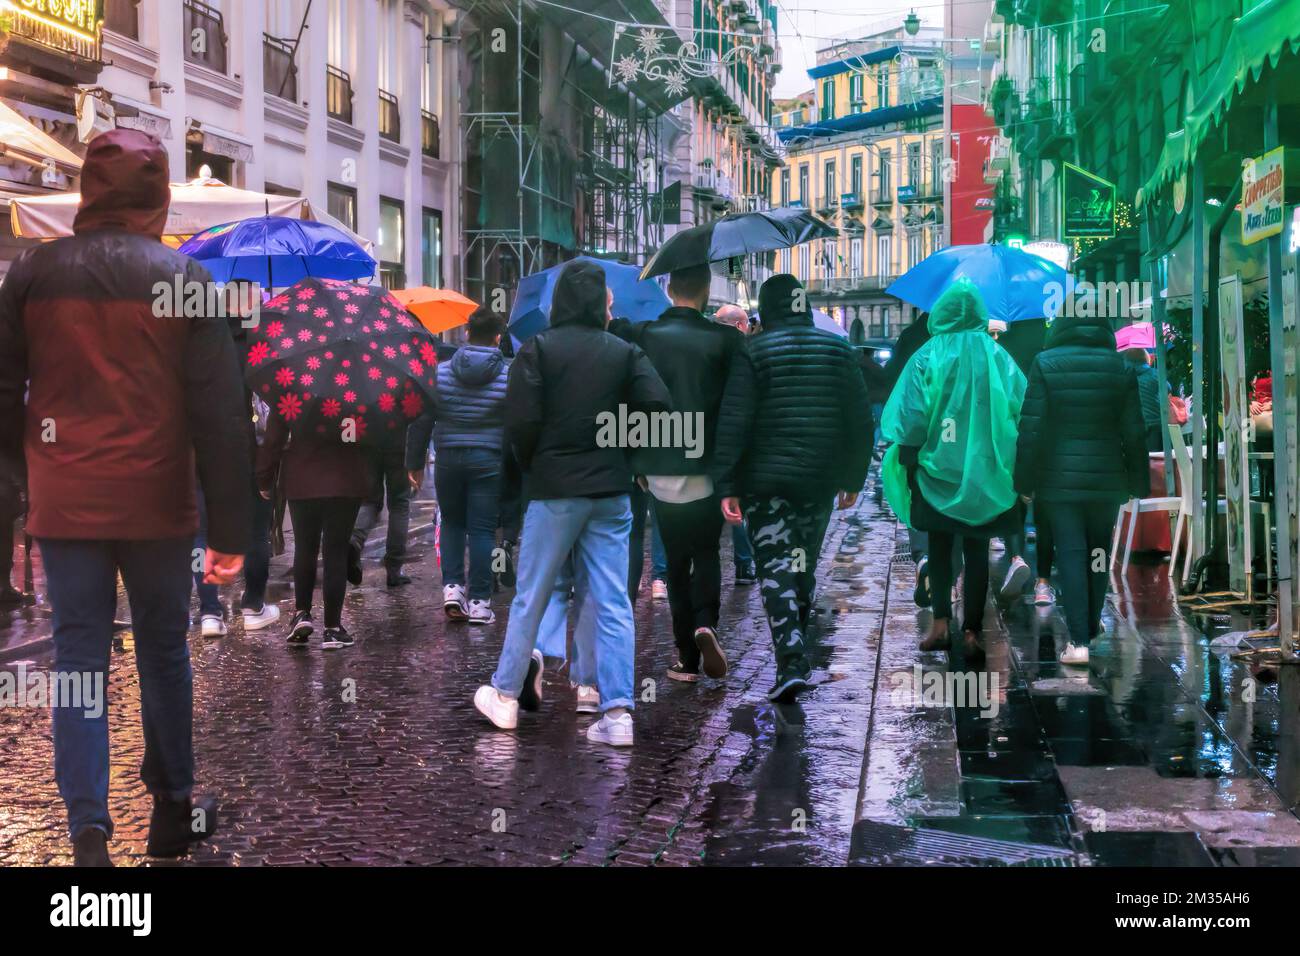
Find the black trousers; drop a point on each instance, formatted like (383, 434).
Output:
(1081, 538)
(322, 526)
(975, 586)
(691, 534)
(387, 467)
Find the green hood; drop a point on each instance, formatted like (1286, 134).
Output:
(958, 402)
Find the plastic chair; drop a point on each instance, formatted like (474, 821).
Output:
(1177, 505)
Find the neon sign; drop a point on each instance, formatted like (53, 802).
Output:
(70, 26)
(77, 16)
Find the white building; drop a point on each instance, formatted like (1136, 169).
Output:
(349, 103)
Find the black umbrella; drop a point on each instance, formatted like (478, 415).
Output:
(737, 234)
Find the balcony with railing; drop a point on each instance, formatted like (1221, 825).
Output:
(204, 37)
(338, 94)
(430, 135)
(279, 72)
(390, 121)
(882, 194)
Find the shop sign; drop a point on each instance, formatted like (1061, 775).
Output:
(70, 26)
(1087, 204)
(1261, 197)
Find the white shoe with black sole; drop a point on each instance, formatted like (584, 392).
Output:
(788, 690)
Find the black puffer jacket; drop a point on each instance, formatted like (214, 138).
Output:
(694, 357)
(795, 418)
(1081, 432)
(562, 380)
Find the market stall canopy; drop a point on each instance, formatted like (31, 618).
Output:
(20, 139)
(1260, 38)
(195, 206)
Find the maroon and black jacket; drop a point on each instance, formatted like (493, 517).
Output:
(122, 404)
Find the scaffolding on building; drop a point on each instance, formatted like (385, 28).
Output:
(557, 161)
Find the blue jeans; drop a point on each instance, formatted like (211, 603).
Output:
(742, 551)
(643, 514)
(552, 636)
(595, 532)
(468, 483)
(257, 562)
(82, 581)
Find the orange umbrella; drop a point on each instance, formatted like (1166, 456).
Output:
(437, 309)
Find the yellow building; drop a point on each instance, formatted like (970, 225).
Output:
(865, 150)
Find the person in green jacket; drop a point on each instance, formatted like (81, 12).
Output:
(952, 420)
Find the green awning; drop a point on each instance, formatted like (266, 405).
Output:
(1260, 36)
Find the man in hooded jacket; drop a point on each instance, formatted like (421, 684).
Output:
(125, 397)
(564, 382)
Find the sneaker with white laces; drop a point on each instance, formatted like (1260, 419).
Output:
(1017, 577)
(211, 625)
(256, 620)
(453, 602)
(502, 711)
(658, 590)
(615, 731)
(1075, 655)
(480, 612)
(588, 700)
(1044, 596)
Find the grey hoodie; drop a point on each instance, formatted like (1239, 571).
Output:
(470, 407)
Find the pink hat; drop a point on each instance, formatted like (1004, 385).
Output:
(1139, 335)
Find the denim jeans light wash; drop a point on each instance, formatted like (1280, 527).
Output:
(82, 581)
(742, 551)
(468, 482)
(595, 531)
(552, 636)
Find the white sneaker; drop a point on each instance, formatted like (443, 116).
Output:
(502, 711)
(1017, 577)
(1044, 596)
(453, 602)
(588, 700)
(615, 731)
(211, 625)
(1076, 656)
(480, 612)
(659, 590)
(256, 620)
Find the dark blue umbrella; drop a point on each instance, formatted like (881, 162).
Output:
(634, 299)
(1015, 285)
(737, 234)
(276, 251)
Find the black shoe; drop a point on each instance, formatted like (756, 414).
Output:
(176, 824)
(788, 689)
(300, 627)
(508, 577)
(921, 593)
(90, 848)
(680, 672)
(10, 596)
(746, 574)
(354, 564)
(335, 637)
(395, 576)
(530, 697)
(712, 659)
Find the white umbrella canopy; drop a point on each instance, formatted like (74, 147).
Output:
(825, 323)
(195, 206)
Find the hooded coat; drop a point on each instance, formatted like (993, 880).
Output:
(795, 418)
(469, 406)
(561, 382)
(955, 410)
(1081, 432)
(124, 397)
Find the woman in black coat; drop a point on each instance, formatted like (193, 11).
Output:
(1081, 454)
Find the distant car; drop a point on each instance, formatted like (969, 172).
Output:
(878, 349)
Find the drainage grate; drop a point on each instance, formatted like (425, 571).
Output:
(886, 844)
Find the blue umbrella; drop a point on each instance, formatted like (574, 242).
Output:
(276, 251)
(634, 299)
(1016, 285)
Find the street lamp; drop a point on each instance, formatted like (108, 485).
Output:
(912, 24)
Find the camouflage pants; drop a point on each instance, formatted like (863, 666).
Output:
(787, 537)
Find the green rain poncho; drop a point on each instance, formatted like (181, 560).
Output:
(958, 401)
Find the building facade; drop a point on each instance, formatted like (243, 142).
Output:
(344, 102)
(866, 150)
